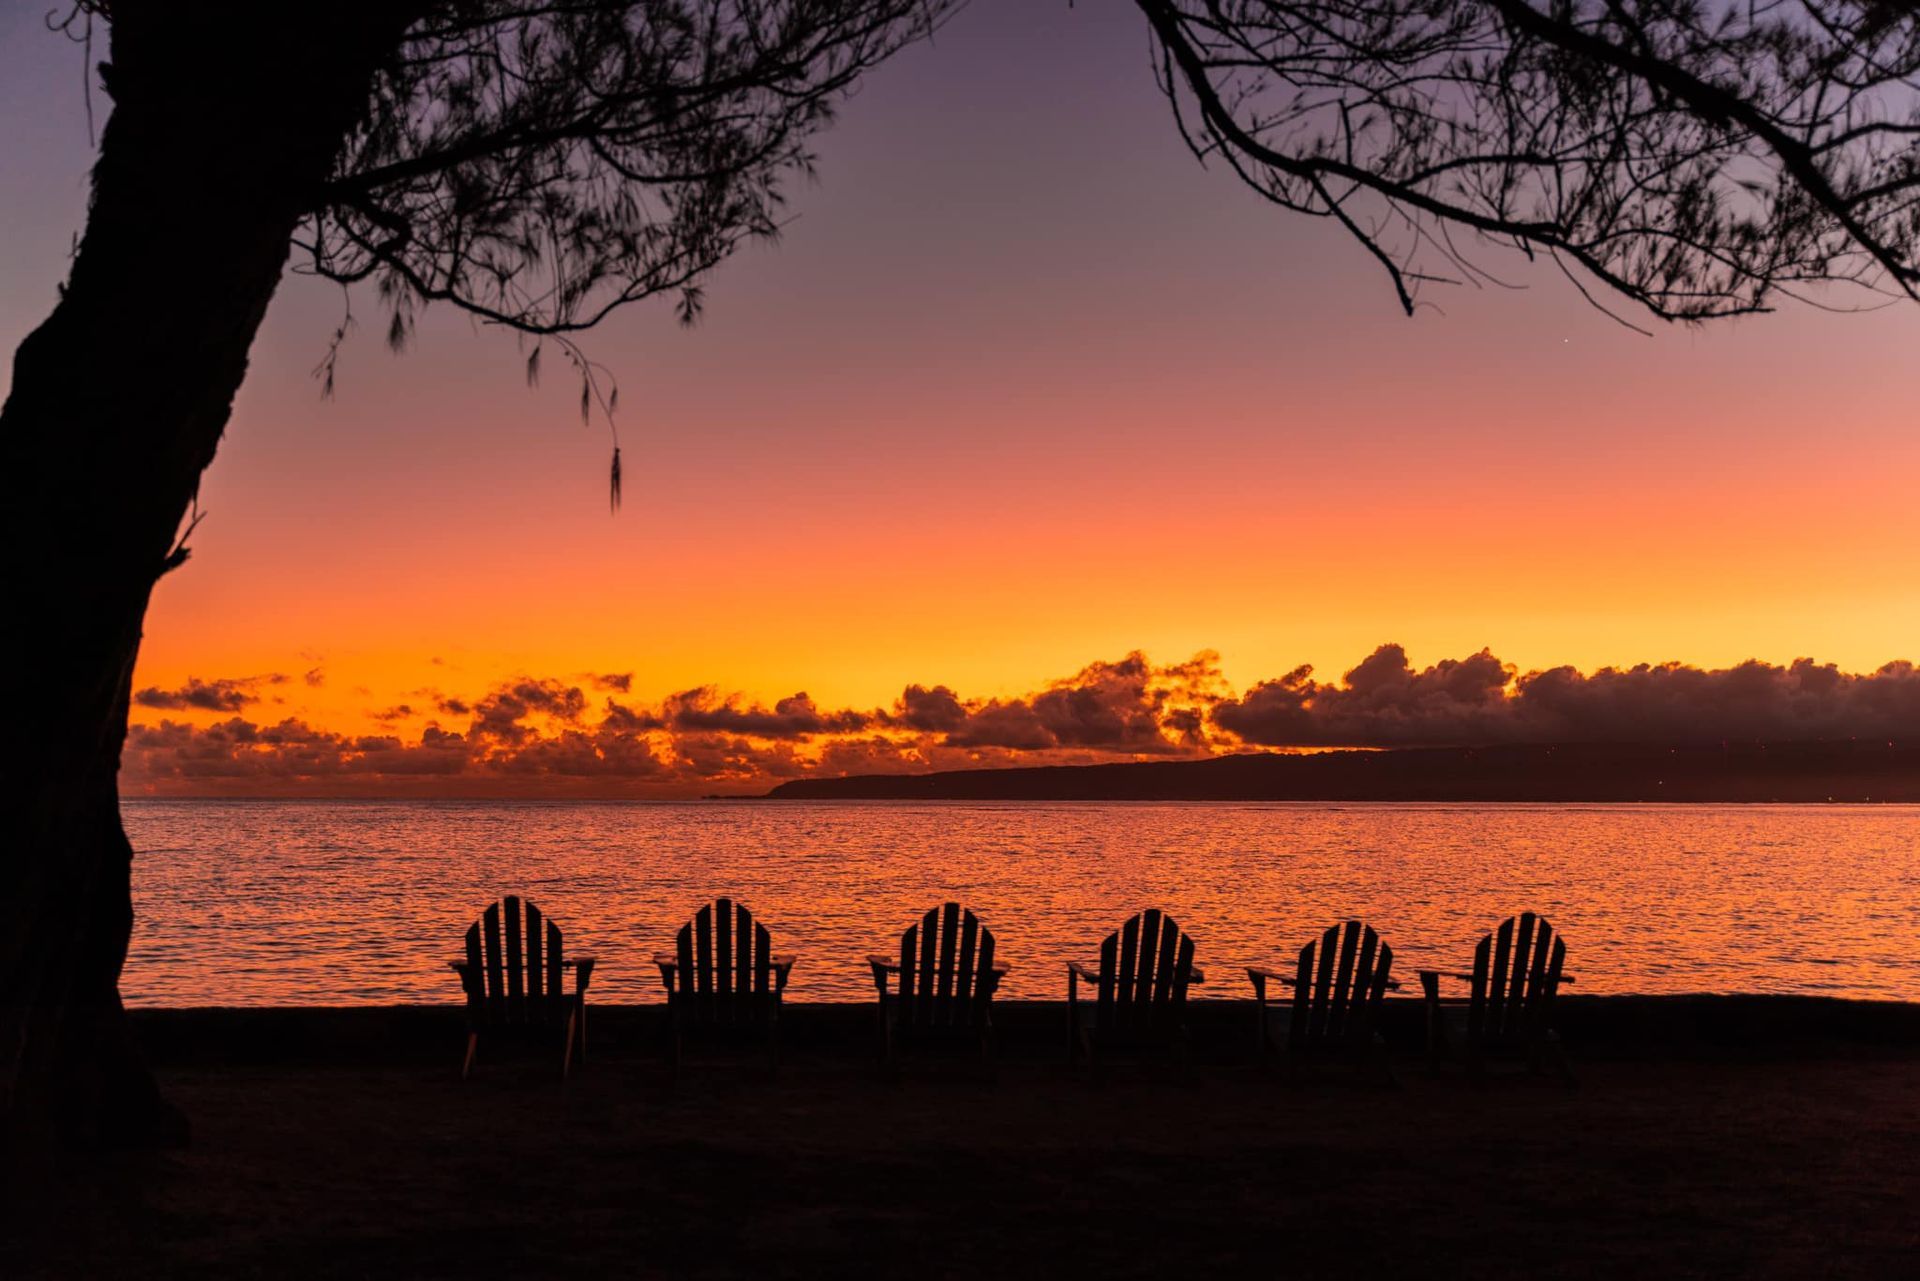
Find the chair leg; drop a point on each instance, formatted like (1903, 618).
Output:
(566, 1056)
(473, 1044)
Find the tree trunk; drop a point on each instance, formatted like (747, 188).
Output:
(226, 119)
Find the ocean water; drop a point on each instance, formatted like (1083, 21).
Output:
(340, 903)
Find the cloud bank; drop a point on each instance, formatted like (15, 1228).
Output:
(548, 736)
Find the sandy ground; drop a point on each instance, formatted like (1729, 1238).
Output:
(1794, 1168)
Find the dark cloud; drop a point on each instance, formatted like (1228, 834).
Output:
(623, 718)
(1385, 702)
(932, 711)
(1125, 707)
(621, 681)
(502, 714)
(792, 717)
(222, 695)
(1754, 700)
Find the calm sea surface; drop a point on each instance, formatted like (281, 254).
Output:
(296, 903)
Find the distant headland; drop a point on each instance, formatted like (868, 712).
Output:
(1804, 772)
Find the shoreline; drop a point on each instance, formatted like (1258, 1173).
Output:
(1683, 803)
(1603, 1028)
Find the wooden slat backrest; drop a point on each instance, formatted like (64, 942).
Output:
(929, 961)
(1370, 976)
(1145, 969)
(725, 964)
(1148, 957)
(1122, 979)
(496, 970)
(1322, 981)
(721, 959)
(514, 961)
(536, 970)
(702, 975)
(966, 984)
(1516, 975)
(1338, 985)
(683, 971)
(943, 1004)
(910, 967)
(1103, 1007)
(946, 964)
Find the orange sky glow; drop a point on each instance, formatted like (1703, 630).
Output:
(1022, 389)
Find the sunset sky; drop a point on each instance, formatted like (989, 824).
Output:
(1023, 389)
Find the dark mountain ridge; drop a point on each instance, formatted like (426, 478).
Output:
(1734, 772)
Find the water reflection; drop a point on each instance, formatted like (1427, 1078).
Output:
(287, 903)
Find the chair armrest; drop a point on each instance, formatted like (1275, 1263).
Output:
(1086, 972)
(588, 961)
(1393, 985)
(458, 967)
(1196, 975)
(880, 962)
(1566, 978)
(1260, 976)
(666, 960)
(582, 973)
(998, 969)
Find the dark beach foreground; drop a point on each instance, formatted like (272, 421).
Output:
(1765, 1136)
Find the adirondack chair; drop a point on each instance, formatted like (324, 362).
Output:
(1139, 989)
(722, 974)
(514, 981)
(1508, 1011)
(942, 983)
(1336, 1003)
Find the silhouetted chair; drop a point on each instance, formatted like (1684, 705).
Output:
(722, 974)
(1508, 1010)
(514, 980)
(1140, 989)
(1338, 983)
(943, 982)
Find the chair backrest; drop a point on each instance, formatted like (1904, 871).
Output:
(946, 976)
(1516, 974)
(725, 965)
(1145, 967)
(513, 966)
(1337, 989)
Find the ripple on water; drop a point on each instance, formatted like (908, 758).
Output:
(362, 902)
